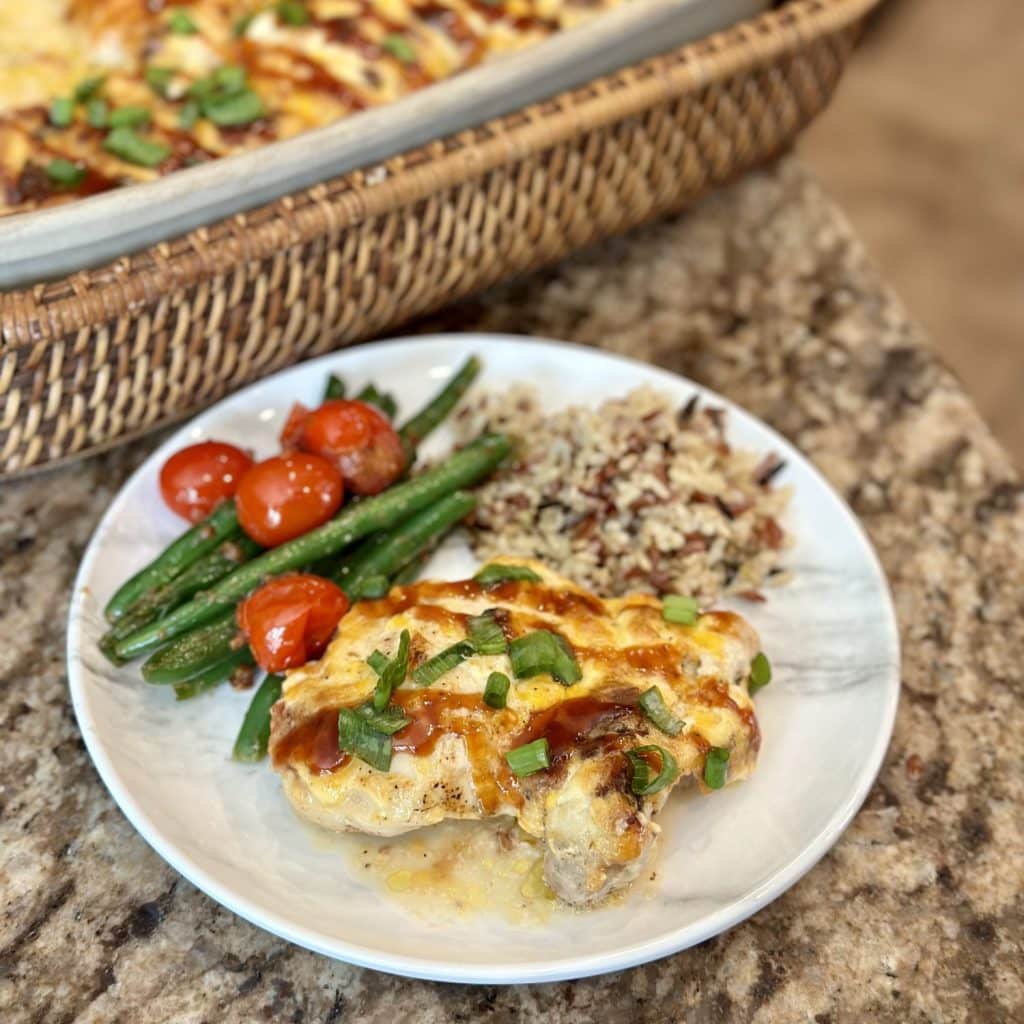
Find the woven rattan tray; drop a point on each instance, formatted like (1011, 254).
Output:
(106, 354)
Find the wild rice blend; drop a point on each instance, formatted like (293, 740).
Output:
(637, 494)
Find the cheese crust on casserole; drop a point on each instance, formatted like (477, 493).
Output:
(449, 762)
(179, 84)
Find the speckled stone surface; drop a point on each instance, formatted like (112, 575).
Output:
(916, 915)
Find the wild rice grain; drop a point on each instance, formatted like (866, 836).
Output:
(635, 494)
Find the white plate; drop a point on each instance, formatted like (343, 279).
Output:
(826, 718)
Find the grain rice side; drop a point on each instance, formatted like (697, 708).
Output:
(636, 494)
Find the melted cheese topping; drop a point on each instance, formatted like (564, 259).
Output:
(622, 646)
(309, 62)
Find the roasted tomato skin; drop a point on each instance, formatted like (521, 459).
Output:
(291, 619)
(196, 479)
(291, 432)
(359, 440)
(288, 495)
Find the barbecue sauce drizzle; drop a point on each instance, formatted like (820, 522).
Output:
(568, 725)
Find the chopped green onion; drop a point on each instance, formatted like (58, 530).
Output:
(372, 588)
(543, 651)
(529, 758)
(87, 88)
(358, 737)
(229, 111)
(96, 111)
(158, 79)
(229, 78)
(391, 672)
(123, 142)
(62, 111)
(433, 668)
(496, 690)
(129, 117)
(65, 173)
(381, 399)
(491, 575)
(335, 387)
(400, 47)
(291, 12)
(760, 673)
(389, 720)
(180, 22)
(645, 782)
(378, 662)
(241, 26)
(653, 705)
(189, 115)
(716, 766)
(683, 611)
(486, 635)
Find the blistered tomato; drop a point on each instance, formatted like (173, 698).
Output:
(286, 496)
(198, 478)
(359, 440)
(290, 620)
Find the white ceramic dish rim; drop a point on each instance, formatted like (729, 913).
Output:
(49, 242)
(414, 967)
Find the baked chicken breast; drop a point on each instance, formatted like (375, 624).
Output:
(449, 760)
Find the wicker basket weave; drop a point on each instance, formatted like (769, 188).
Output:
(104, 355)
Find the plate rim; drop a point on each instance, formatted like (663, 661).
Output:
(562, 969)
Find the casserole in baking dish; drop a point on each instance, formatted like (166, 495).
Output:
(44, 234)
(120, 91)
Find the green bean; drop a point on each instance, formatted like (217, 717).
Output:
(215, 675)
(335, 388)
(389, 553)
(411, 573)
(381, 556)
(213, 645)
(472, 463)
(254, 735)
(195, 652)
(223, 522)
(383, 400)
(374, 587)
(198, 576)
(192, 545)
(430, 417)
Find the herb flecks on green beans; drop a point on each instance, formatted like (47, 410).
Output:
(227, 557)
(389, 553)
(192, 545)
(194, 652)
(215, 674)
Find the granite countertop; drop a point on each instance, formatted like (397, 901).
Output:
(916, 915)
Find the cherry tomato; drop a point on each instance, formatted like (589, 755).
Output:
(291, 432)
(287, 495)
(359, 441)
(289, 620)
(198, 478)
